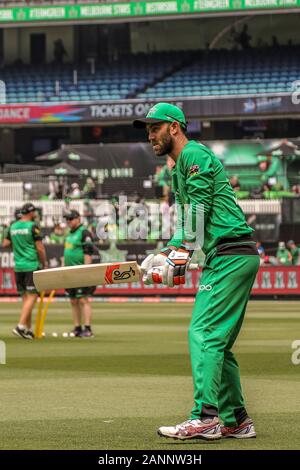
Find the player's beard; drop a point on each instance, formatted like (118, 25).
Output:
(164, 146)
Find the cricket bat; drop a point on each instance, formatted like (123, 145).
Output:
(86, 275)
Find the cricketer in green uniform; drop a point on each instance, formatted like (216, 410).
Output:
(57, 236)
(284, 257)
(78, 250)
(23, 235)
(295, 252)
(163, 181)
(29, 255)
(208, 216)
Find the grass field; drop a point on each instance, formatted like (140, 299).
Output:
(113, 391)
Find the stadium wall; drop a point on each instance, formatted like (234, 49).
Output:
(160, 35)
(270, 281)
(17, 43)
(197, 33)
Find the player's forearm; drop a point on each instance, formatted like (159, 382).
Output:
(176, 240)
(199, 188)
(190, 229)
(42, 255)
(178, 235)
(6, 243)
(194, 224)
(87, 259)
(274, 169)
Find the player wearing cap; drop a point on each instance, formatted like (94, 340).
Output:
(29, 255)
(206, 202)
(295, 252)
(78, 250)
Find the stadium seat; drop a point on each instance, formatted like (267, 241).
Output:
(220, 72)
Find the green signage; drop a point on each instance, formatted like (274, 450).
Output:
(135, 9)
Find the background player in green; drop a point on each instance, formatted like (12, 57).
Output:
(284, 257)
(207, 206)
(295, 252)
(78, 250)
(29, 255)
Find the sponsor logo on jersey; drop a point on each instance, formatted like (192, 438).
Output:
(206, 287)
(194, 170)
(20, 231)
(69, 245)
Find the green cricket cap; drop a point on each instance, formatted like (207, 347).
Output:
(162, 112)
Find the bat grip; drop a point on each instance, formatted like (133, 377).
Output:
(193, 267)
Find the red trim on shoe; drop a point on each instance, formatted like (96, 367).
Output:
(242, 431)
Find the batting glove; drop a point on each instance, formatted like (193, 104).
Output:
(175, 267)
(150, 265)
(153, 276)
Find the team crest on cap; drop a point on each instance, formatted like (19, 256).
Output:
(194, 170)
(152, 111)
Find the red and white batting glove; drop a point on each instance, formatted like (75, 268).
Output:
(153, 276)
(152, 266)
(175, 267)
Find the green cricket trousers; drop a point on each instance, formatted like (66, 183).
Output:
(218, 314)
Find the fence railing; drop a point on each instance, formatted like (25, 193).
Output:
(53, 211)
(260, 206)
(11, 191)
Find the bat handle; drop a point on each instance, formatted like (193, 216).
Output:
(193, 267)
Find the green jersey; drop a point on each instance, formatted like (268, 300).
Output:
(23, 235)
(55, 238)
(205, 200)
(283, 256)
(164, 177)
(3, 233)
(295, 252)
(275, 174)
(77, 243)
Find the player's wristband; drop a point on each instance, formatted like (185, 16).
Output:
(185, 246)
(166, 251)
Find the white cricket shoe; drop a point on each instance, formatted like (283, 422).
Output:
(207, 428)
